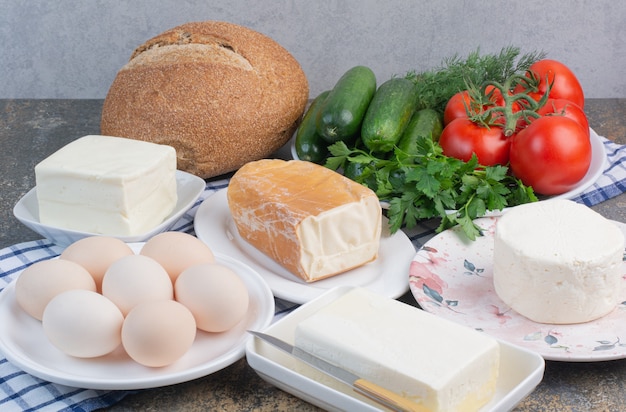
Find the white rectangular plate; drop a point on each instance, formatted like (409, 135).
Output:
(520, 370)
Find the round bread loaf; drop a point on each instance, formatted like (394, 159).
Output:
(221, 94)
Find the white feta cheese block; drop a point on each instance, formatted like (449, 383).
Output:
(107, 185)
(438, 364)
(313, 221)
(558, 262)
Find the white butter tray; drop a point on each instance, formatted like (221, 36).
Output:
(521, 370)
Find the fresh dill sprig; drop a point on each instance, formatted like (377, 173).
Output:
(437, 85)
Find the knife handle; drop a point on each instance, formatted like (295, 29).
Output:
(386, 397)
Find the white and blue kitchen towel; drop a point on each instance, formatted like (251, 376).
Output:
(20, 391)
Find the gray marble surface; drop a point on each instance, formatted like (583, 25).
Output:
(73, 49)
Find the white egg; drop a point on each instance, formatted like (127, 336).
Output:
(176, 251)
(83, 323)
(135, 279)
(96, 253)
(158, 333)
(215, 294)
(41, 281)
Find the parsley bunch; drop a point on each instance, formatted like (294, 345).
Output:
(430, 184)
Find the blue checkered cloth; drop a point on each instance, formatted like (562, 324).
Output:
(20, 391)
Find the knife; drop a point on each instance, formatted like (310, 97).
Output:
(373, 391)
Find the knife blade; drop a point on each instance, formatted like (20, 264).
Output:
(383, 396)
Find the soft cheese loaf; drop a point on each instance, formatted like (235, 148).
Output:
(558, 261)
(313, 221)
(219, 93)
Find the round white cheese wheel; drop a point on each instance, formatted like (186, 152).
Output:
(558, 262)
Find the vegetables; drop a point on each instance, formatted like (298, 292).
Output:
(464, 104)
(341, 114)
(424, 123)
(546, 139)
(552, 154)
(308, 143)
(462, 138)
(429, 184)
(388, 114)
(562, 107)
(436, 86)
(491, 115)
(459, 105)
(556, 77)
(459, 172)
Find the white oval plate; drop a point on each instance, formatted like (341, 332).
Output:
(596, 168)
(453, 278)
(188, 187)
(386, 275)
(24, 344)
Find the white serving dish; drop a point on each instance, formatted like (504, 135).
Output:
(386, 275)
(189, 188)
(24, 344)
(443, 283)
(521, 370)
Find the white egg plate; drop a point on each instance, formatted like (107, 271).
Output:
(24, 344)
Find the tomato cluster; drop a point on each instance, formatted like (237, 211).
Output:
(534, 123)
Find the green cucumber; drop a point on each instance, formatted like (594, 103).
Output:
(356, 171)
(424, 123)
(388, 114)
(308, 143)
(339, 119)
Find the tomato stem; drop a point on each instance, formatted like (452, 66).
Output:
(498, 104)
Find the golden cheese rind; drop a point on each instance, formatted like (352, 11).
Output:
(313, 221)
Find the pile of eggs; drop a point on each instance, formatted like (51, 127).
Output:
(99, 294)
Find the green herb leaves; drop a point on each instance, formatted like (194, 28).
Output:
(429, 184)
(436, 86)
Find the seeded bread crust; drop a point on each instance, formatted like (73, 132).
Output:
(221, 94)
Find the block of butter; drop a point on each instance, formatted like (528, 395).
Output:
(438, 364)
(313, 221)
(107, 185)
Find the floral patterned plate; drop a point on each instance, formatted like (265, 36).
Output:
(452, 278)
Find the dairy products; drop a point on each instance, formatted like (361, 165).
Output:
(310, 219)
(434, 362)
(558, 262)
(107, 185)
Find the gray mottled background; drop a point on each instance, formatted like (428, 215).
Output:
(73, 49)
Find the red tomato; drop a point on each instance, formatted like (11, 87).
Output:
(462, 137)
(552, 154)
(565, 84)
(455, 107)
(459, 103)
(562, 107)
